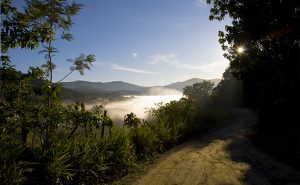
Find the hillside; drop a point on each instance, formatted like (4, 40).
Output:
(87, 91)
(83, 86)
(180, 85)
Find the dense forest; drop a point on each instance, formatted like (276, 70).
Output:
(45, 142)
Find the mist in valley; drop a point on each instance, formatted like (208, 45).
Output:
(138, 104)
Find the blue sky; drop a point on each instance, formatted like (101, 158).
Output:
(145, 42)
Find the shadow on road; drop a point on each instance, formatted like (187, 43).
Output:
(263, 169)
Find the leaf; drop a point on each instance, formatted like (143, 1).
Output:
(67, 36)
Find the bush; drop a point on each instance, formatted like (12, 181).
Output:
(101, 159)
(204, 119)
(13, 173)
(145, 142)
(168, 134)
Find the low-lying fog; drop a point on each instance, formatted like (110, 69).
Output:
(139, 104)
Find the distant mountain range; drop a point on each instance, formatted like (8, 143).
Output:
(83, 86)
(123, 88)
(180, 85)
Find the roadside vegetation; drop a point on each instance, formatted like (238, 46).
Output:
(44, 142)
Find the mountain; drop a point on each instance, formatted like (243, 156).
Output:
(84, 86)
(119, 86)
(122, 86)
(87, 91)
(180, 85)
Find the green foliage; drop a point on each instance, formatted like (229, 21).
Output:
(55, 15)
(207, 118)
(13, 173)
(77, 118)
(55, 144)
(171, 121)
(100, 159)
(60, 166)
(172, 112)
(40, 22)
(17, 30)
(199, 92)
(169, 134)
(80, 64)
(131, 121)
(145, 142)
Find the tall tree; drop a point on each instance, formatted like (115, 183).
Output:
(17, 30)
(56, 16)
(263, 47)
(40, 22)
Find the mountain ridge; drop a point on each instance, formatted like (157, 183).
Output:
(80, 85)
(79, 91)
(180, 85)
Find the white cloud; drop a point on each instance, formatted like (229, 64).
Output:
(135, 55)
(122, 68)
(172, 60)
(164, 58)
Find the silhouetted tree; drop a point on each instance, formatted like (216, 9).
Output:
(131, 121)
(199, 92)
(269, 33)
(229, 91)
(18, 30)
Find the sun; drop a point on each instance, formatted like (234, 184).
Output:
(240, 49)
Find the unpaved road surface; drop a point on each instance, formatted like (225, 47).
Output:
(223, 157)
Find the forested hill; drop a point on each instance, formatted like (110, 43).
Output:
(180, 85)
(83, 86)
(86, 86)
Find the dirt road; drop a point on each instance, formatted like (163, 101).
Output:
(223, 157)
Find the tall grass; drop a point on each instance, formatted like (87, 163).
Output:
(88, 157)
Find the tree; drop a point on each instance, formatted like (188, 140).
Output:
(40, 22)
(17, 30)
(268, 31)
(55, 15)
(80, 63)
(131, 121)
(229, 91)
(199, 91)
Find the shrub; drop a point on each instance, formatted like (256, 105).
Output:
(101, 159)
(209, 117)
(145, 142)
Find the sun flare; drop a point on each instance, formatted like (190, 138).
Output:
(240, 49)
